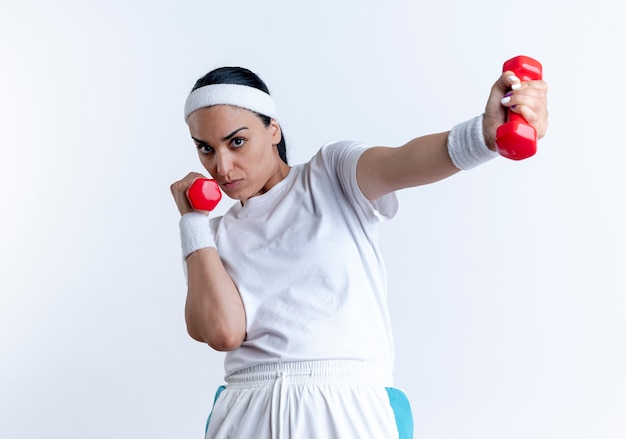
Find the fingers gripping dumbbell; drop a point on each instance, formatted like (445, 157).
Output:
(204, 194)
(517, 139)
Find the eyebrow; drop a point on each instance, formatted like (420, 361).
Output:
(224, 139)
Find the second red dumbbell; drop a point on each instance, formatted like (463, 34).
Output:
(517, 139)
(204, 194)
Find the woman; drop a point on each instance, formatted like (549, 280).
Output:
(290, 281)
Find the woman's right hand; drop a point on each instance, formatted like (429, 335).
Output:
(179, 192)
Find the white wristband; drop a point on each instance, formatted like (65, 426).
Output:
(466, 144)
(195, 233)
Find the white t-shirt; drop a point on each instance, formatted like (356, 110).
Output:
(306, 261)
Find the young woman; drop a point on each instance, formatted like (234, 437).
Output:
(290, 281)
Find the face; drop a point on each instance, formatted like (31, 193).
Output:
(238, 150)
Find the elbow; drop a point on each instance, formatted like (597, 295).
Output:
(225, 342)
(222, 340)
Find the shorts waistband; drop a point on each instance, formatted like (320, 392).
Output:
(311, 372)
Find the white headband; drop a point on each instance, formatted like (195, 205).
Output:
(237, 95)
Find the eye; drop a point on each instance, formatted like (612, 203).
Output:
(204, 148)
(238, 142)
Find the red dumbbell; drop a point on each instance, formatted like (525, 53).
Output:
(516, 139)
(204, 194)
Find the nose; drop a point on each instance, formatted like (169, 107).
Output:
(224, 162)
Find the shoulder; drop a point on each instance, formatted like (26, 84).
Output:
(342, 147)
(340, 154)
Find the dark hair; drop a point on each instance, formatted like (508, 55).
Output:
(242, 76)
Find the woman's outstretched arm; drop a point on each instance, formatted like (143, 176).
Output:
(426, 159)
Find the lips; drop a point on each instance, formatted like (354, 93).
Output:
(230, 185)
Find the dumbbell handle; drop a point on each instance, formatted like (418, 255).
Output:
(516, 139)
(204, 194)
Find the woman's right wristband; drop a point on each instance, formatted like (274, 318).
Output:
(195, 233)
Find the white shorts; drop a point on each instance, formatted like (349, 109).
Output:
(318, 399)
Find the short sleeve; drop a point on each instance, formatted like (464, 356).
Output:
(343, 157)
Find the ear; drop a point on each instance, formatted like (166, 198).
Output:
(276, 132)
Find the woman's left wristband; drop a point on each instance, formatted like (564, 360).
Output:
(466, 144)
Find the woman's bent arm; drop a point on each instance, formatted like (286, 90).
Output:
(214, 311)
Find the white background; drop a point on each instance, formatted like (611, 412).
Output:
(506, 282)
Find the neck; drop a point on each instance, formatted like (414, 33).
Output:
(279, 174)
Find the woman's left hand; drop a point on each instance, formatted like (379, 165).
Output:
(528, 98)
